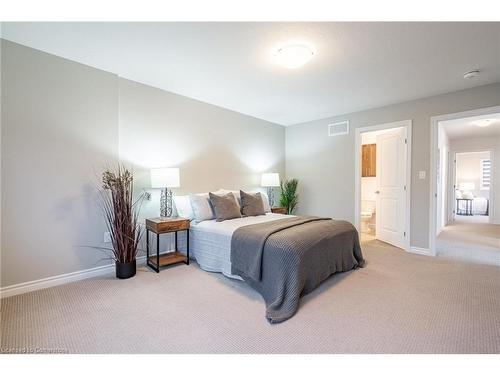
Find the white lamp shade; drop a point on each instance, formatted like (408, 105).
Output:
(466, 186)
(270, 179)
(165, 177)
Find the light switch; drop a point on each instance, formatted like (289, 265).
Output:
(421, 175)
(107, 237)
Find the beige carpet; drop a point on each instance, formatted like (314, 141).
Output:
(399, 303)
(470, 240)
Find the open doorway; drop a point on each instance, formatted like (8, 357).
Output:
(472, 187)
(467, 183)
(383, 182)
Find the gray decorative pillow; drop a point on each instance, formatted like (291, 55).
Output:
(225, 206)
(251, 204)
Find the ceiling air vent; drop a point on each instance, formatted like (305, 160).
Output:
(338, 128)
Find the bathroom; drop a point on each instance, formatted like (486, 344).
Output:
(368, 184)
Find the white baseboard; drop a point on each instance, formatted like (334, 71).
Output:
(420, 251)
(48, 282)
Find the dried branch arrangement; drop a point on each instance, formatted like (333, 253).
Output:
(121, 213)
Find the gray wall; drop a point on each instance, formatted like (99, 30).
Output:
(325, 165)
(62, 122)
(213, 147)
(59, 127)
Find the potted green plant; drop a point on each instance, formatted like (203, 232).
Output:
(289, 197)
(122, 218)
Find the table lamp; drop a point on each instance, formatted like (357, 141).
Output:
(164, 179)
(465, 188)
(270, 180)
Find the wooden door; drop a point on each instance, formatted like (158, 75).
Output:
(369, 160)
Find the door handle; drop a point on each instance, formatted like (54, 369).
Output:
(377, 192)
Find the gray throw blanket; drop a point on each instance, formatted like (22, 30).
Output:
(287, 258)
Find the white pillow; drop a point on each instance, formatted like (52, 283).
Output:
(265, 199)
(202, 208)
(183, 206)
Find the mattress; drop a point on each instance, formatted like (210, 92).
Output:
(210, 241)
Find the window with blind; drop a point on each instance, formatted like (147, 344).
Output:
(485, 174)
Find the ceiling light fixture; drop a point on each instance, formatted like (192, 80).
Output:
(293, 56)
(484, 122)
(471, 74)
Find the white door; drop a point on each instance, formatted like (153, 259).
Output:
(391, 189)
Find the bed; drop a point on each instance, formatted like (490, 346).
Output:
(281, 256)
(480, 206)
(210, 241)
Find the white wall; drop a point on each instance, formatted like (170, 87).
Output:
(325, 165)
(369, 184)
(368, 188)
(63, 122)
(483, 144)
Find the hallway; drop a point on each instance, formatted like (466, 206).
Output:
(470, 241)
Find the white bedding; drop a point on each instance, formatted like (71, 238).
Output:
(210, 241)
(480, 206)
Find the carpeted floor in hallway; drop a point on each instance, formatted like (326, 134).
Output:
(470, 239)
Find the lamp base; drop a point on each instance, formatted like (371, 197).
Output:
(270, 196)
(166, 203)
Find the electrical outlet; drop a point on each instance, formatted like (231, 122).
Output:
(107, 237)
(421, 175)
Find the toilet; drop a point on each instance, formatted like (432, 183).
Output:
(367, 216)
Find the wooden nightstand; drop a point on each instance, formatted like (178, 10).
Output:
(161, 226)
(279, 210)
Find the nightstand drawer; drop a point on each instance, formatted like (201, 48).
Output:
(161, 225)
(279, 210)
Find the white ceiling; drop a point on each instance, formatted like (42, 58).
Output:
(465, 128)
(356, 65)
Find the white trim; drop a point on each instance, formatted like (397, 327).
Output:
(357, 172)
(433, 159)
(49, 282)
(420, 251)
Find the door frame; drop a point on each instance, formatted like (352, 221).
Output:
(357, 172)
(435, 120)
(450, 189)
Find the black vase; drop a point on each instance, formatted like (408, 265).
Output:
(125, 270)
